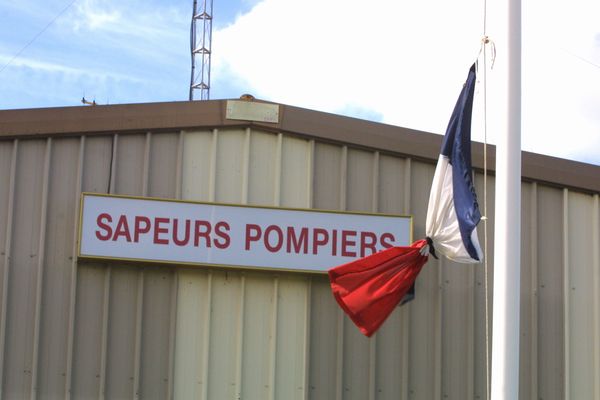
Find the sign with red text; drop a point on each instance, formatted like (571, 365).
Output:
(170, 231)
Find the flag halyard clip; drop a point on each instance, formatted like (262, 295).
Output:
(431, 247)
(485, 40)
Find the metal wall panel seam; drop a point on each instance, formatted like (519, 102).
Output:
(307, 305)
(472, 280)
(471, 331)
(438, 326)
(175, 281)
(596, 294)
(277, 177)
(566, 295)
(310, 166)
(40, 271)
(405, 316)
(240, 339)
(375, 183)
(179, 166)
(146, 166)
(172, 335)
(213, 166)
(246, 167)
(339, 375)
(140, 287)
(113, 164)
(7, 258)
(277, 203)
(107, 277)
(310, 174)
(373, 339)
(104, 344)
(339, 364)
(73, 283)
(138, 335)
(344, 178)
(206, 339)
(273, 346)
(534, 294)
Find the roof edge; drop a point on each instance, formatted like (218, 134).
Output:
(208, 114)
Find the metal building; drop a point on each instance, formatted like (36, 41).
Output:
(82, 330)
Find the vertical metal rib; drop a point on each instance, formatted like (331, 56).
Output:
(206, 338)
(470, 372)
(277, 177)
(179, 166)
(172, 335)
(310, 174)
(40, 270)
(239, 348)
(344, 179)
(107, 279)
(273, 344)
(138, 335)
(274, 311)
(7, 259)
(339, 363)
(375, 184)
(104, 341)
(73, 283)
(373, 340)
(140, 285)
(146, 166)
(566, 295)
(306, 371)
(533, 362)
(340, 314)
(212, 190)
(175, 279)
(310, 164)
(405, 315)
(596, 294)
(437, 329)
(246, 167)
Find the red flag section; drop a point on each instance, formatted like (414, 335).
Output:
(369, 288)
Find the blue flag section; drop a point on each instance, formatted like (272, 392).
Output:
(370, 288)
(453, 212)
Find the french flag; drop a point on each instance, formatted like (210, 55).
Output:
(453, 212)
(370, 288)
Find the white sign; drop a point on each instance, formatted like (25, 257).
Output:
(168, 231)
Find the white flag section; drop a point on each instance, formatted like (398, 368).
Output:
(453, 212)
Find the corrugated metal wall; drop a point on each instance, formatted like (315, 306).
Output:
(107, 330)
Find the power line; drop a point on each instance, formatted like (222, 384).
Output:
(37, 35)
(585, 60)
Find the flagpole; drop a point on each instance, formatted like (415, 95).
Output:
(507, 244)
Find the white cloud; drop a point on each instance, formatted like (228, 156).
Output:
(65, 70)
(406, 62)
(93, 17)
(128, 20)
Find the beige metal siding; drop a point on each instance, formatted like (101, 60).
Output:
(113, 330)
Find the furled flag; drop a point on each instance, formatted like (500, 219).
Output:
(368, 289)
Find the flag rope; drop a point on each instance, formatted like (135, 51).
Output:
(484, 42)
(485, 230)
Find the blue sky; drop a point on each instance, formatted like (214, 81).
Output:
(401, 63)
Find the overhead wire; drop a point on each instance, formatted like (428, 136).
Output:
(37, 35)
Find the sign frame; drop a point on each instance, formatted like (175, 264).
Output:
(137, 261)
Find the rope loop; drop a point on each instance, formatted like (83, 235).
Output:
(485, 40)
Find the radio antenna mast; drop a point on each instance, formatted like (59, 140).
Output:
(200, 45)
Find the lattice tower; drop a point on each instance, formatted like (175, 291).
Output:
(200, 45)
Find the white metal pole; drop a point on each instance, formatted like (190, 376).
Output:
(507, 244)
